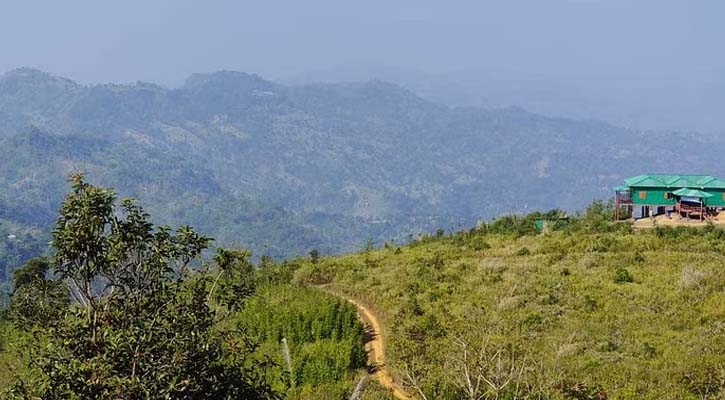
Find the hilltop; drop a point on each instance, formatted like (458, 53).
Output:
(283, 169)
(585, 311)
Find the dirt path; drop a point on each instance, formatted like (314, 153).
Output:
(375, 346)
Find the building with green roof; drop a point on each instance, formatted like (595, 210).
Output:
(656, 193)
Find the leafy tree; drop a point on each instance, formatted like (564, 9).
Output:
(141, 325)
(235, 279)
(314, 256)
(37, 300)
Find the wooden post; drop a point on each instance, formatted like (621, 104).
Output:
(616, 205)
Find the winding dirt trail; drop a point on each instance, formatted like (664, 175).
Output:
(375, 346)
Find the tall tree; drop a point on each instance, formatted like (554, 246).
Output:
(141, 325)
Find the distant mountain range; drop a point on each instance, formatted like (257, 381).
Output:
(650, 101)
(286, 168)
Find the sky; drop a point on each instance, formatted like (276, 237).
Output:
(164, 41)
(643, 64)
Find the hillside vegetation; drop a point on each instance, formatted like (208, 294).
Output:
(589, 311)
(285, 169)
(123, 309)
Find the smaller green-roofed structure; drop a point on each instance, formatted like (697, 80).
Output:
(694, 193)
(657, 193)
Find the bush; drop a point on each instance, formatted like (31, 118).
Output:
(691, 278)
(649, 351)
(622, 275)
(533, 320)
(582, 391)
(477, 243)
(314, 256)
(514, 224)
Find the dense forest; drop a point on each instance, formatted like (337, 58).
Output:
(285, 169)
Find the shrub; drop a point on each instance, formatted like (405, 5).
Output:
(523, 252)
(477, 243)
(623, 276)
(649, 351)
(691, 278)
(533, 320)
(581, 391)
(514, 224)
(314, 256)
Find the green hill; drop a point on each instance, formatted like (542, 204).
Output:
(589, 310)
(284, 169)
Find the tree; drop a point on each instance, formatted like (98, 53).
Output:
(36, 299)
(141, 324)
(314, 256)
(235, 281)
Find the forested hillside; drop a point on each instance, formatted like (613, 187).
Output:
(285, 169)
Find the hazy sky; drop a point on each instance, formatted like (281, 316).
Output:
(165, 41)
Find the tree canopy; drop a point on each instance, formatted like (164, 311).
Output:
(139, 322)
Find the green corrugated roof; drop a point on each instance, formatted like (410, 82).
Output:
(685, 192)
(676, 181)
(620, 188)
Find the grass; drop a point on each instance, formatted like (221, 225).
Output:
(573, 314)
(637, 315)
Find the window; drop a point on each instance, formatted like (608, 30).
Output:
(723, 196)
(642, 194)
(668, 195)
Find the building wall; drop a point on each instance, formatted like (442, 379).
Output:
(717, 199)
(656, 197)
(652, 197)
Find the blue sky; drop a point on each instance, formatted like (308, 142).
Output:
(165, 41)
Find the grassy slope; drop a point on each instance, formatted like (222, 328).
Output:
(556, 303)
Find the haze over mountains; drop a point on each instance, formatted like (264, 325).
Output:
(651, 100)
(286, 168)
